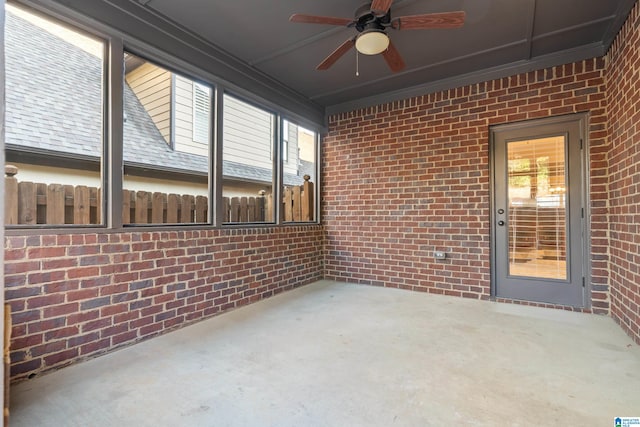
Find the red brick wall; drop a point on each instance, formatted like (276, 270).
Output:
(623, 91)
(404, 179)
(78, 295)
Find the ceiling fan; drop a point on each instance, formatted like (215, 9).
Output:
(371, 21)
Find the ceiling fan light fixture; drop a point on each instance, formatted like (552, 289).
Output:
(372, 42)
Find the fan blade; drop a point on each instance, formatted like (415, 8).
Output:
(312, 19)
(336, 54)
(380, 7)
(428, 21)
(393, 58)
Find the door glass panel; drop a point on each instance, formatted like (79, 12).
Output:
(537, 208)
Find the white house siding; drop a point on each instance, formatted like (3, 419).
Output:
(152, 86)
(184, 120)
(247, 134)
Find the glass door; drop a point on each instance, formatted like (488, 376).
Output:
(538, 212)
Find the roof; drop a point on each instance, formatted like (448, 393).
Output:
(68, 119)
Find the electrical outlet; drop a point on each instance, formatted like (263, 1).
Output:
(439, 255)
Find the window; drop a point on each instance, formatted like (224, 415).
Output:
(299, 173)
(166, 146)
(285, 141)
(248, 141)
(54, 121)
(201, 113)
(56, 128)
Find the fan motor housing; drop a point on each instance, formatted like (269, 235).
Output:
(365, 19)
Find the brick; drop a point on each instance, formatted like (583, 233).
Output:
(18, 370)
(80, 340)
(80, 272)
(22, 292)
(61, 333)
(82, 249)
(25, 316)
(152, 329)
(82, 294)
(123, 338)
(95, 303)
(96, 324)
(166, 315)
(114, 330)
(95, 347)
(46, 325)
(45, 301)
(54, 264)
(26, 341)
(141, 284)
(47, 348)
(45, 252)
(94, 260)
(21, 267)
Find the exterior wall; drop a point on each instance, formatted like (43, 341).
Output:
(54, 175)
(152, 86)
(65, 176)
(75, 296)
(138, 183)
(404, 179)
(244, 144)
(623, 90)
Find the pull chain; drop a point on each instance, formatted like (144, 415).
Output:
(357, 64)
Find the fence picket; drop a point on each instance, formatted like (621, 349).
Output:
(41, 197)
(251, 210)
(157, 207)
(55, 204)
(173, 208)
(39, 203)
(268, 208)
(27, 203)
(288, 204)
(81, 205)
(243, 209)
(202, 208)
(226, 207)
(96, 205)
(307, 199)
(296, 205)
(234, 214)
(186, 211)
(11, 195)
(126, 207)
(142, 207)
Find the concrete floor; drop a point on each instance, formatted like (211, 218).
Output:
(333, 354)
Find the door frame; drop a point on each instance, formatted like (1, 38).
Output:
(582, 119)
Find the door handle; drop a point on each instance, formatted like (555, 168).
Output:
(501, 223)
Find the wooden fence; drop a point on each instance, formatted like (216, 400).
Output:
(31, 203)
